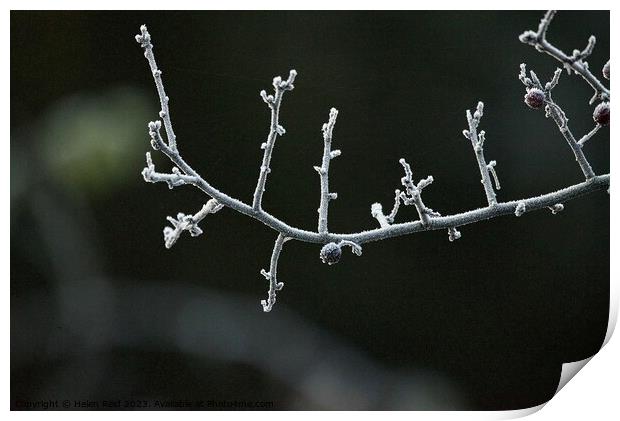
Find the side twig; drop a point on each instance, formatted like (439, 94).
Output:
(275, 129)
(413, 194)
(574, 62)
(477, 142)
(587, 136)
(173, 180)
(144, 38)
(323, 171)
(188, 223)
(272, 275)
(536, 95)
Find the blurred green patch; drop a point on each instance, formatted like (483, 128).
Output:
(92, 142)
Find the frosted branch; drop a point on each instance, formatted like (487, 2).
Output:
(275, 130)
(323, 170)
(413, 193)
(144, 39)
(376, 210)
(355, 248)
(411, 196)
(477, 143)
(188, 223)
(491, 167)
(453, 234)
(272, 275)
(332, 243)
(587, 136)
(534, 87)
(574, 62)
(173, 180)
(520, 209)
(390, 218)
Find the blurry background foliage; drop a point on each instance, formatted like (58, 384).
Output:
(83, 150)
(100, 310)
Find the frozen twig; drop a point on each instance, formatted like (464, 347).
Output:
(355, 248)
(477, 142)
(144, 38)
(574, 62)
(331, 252)
(173, 180)
(534, 87)
(520, 209)
(491, 167)
(188, 223)
(392, 215)
(376, 210)
(275, 129)
(413, 196)
(557, 208)
(323, 170)
(587, 136)
(413, 193)
(332, 243)
(272, 275)
(453, 234)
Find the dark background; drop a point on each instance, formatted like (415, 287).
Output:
(100, 310)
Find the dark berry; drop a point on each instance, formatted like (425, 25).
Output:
(535, 98)
(330, 253)
(601, 114)
(606, 70)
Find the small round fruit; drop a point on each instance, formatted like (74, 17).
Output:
(534, 98)
(601, 114)
(606, 70)
(330, 253)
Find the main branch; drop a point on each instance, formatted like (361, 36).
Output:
(596, 183)
(537, 96)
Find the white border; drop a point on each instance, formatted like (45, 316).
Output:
(593, 394)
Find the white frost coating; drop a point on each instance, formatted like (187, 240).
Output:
(588, 135)
(453, 234)
(557, 208)
(573, 62)
(491, 167)
(413, 193)
(183, 174)
(520, 210)
(144, 38)
(355, 248)
(273, 102)
(411, 196)
(477, 142)
(272, 275)
(376, 210)
(173, 180)
(554, 111)
(323, 170)
(188, 223)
